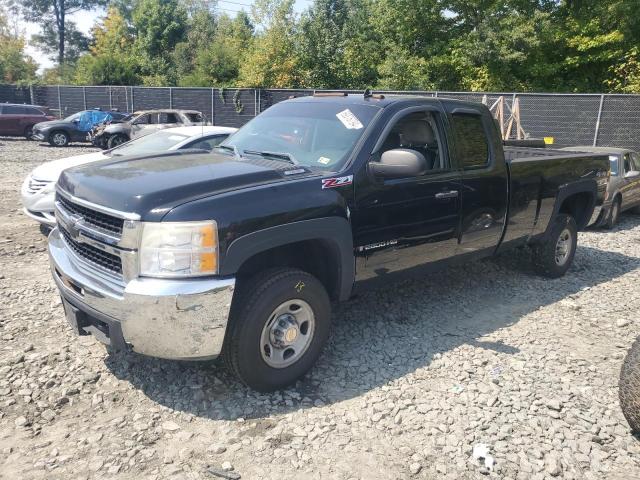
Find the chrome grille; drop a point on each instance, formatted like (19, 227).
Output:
(91, 217)
(100, 258)
(36, 185)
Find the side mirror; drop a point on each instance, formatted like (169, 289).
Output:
(75, 120)
(632, 174)
(399, 163)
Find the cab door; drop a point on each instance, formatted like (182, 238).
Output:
(403, 223)
(485, 183)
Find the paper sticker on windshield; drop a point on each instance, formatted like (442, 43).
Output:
(349, 120)
(337, 182)
(324, 160)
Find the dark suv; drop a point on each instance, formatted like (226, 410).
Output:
(18, 120)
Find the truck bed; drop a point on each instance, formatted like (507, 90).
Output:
(514, 154)
(536, 175)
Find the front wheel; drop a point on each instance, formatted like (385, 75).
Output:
(59, 139)
(117, 139)
(629, 387)
(553, 258)
(279, 325)
(28, 132)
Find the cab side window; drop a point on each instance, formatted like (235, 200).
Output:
(627, 163)
(169, 118)
(635, 162)
(418, 131)
(143, 120)
(471, 140)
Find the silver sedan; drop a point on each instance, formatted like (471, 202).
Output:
(623, 188)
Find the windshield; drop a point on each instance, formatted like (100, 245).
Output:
(73, 117)
(613, 159)
(313, 134)
(155, 142)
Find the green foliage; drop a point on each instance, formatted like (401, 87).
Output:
(490, 45)
(15, 65)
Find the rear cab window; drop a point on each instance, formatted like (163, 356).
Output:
(471, 140)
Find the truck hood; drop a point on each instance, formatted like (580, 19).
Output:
(50, 171)
(154, 184)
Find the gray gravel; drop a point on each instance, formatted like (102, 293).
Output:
(415, 376)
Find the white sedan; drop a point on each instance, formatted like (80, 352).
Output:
(38, 189)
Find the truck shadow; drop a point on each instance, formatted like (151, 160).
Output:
(382, 336)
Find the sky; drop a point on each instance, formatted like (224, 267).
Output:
(85, 19)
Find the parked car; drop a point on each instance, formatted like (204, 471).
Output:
(18, 120)
(38, 189)
(241, 251)
(623, 188)
(143, 123)
(74, 128)
(629, 387)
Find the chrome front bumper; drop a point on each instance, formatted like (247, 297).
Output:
(174, 319)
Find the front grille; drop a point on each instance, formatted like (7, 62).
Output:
(92, 217)
(94, 255)
(36, 185)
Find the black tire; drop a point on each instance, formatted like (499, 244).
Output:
(59, 138)
(614, 215)
(254, 308)
(45, 229)
(545, 254)
(28, 132)
(115, 140)
(629, 387)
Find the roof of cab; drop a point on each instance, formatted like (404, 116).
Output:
(359, 98)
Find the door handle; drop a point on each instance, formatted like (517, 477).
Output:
(450, 194)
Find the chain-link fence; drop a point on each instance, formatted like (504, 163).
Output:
(571, 119)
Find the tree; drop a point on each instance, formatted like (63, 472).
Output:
(110, 61)
(270, 60)
(159, 26)
(218, 62)
(15, 65)
(57, 33)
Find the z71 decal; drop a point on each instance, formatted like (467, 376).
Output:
(337, 182)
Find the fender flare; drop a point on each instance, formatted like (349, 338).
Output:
(587, 185)
(335, 231)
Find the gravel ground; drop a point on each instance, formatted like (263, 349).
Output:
(488, 357)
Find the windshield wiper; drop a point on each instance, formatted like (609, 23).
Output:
(277, 155)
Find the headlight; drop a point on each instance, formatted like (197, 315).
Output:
(185, 249)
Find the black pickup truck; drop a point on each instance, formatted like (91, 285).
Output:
(242, 251)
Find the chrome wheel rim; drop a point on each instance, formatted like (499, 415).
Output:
(59, 139)
(287, 333)
(563, 247)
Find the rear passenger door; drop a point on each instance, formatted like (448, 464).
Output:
(484, 193)
(402, 223)
(10, 117)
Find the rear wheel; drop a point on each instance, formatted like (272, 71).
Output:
(59, 139)
(279, 325)
(614, 215)
(629, 387)
(117, 139)
(553, 258)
